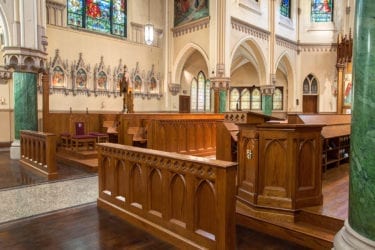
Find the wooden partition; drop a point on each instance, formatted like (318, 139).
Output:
(63, 123)
(38, 151)
(193, 134)
(186, 200)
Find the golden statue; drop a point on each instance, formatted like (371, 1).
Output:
(125, 89)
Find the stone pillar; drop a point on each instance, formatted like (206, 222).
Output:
(359, 229)
(267, 93)
(25, 107)
(220, 86)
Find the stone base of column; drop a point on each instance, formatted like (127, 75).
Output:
(347, 238)
(15, 150)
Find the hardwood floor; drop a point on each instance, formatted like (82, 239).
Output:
(13, 174)
(88, 227)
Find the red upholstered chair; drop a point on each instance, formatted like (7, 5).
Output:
(81, 138)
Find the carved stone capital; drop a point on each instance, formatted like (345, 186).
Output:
(24, 59)
(174, 88)
(220, 82)
(267, 89)
(5, 74)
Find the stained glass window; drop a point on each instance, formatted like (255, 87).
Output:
(310, 85)
(277, 99)
(285, 8)
(200, 94)
(105, 16)
(234, 102)
(256, 99)
(321, 11)
(245, 99)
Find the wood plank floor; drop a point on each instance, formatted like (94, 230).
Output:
(13, 174)
(88, 227)
(335, 194)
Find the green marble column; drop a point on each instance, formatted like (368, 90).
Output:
(25, 102)
(362, 163)
(223, 101)
(267, 104)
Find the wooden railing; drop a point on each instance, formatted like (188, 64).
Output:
(185, 200)
(38, 151)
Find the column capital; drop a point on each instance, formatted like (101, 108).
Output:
(267, 89)
(24, 59)
(5, 74)
(220, 82)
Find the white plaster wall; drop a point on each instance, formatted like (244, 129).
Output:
(322, 32)
(246, 75)
(251, 12)
(322, 66)
(286, 27)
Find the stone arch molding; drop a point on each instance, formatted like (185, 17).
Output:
(255, 56)
(183, 56)
(4, 26)
(285, 61)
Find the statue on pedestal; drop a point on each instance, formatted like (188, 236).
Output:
(125, 89)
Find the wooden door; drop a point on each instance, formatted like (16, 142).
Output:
(184, 104)
(310, 104)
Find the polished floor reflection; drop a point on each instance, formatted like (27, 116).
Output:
(13, 174)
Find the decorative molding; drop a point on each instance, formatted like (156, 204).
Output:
(347, 238)
(24, 59)
(286, 43)
(102, 78)
(191, 27)
(53, 11)
(153, 84)
(317, 47)
(5, 75)
(174, 88)
(267, 89)
(58, 74)
(220, 82)
(247, 28)
(81, 76)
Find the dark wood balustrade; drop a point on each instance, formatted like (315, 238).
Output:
(186, 200)
(38, 151)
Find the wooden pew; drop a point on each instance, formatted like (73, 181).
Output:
(188, 201)
(335, 136)
(38, 151)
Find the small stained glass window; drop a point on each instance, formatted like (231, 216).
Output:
(234, 99)
(310, 85)
(104, 16)
(321, 11)
(245, 99)
(285, 8)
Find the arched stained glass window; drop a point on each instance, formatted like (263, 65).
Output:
(256, 99)
(310, 85)
(234, 96)
(321, 11)
(245, 99)
(105, 16)
(200, 94)
(285, 8)
(277, 99)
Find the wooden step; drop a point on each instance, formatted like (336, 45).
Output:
(300, 232)
(90, 164)
(319, 220)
